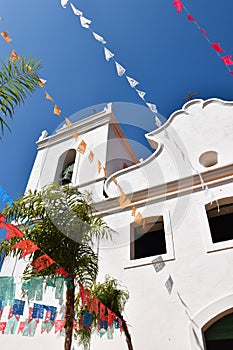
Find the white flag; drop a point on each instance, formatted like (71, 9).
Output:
(120, 69)
(141, 93)
(152, 107)
(132, 82)
(108, 54)
(76, 11)
(64, 3)
(85, 22)
(158, 122)
(99, 38)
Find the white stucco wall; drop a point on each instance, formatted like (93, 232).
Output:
(167, 184)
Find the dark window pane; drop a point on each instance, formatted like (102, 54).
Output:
(221, 227)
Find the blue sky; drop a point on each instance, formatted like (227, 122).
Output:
(159, 48)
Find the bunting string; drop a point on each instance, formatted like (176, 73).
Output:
(226, 59)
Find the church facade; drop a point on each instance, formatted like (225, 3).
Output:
(171, 215)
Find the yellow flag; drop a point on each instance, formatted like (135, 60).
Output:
(134, 211)
(82, 147)
(91, 157)
(56, 110)
(99, 167)
(75, 134)
(6, 37)
(68, 122)
(138, 218)
(14, 56)
(48, 97)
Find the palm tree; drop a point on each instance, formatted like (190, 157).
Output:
(18, 78)
(59, 220)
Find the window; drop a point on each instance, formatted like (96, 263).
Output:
(221, 220)
(148, 240)
(66, 167)
(219, 335)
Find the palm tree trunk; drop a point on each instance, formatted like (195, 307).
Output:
(69, 316)
(127, 335)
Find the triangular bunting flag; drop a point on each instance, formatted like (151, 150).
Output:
(64, 3)
(6, 37)
(108, 54)
(141, 93)
(68, 122)
(57, 111)
(48, 97)
(76, 11)
(85, 22)
(190, 18)
(158, 122)
(62, 271)
(82, 147)
(216, 47)
(138, 218)
(120, 70)
(27, 246)
(91, 157)
(41, 82)
(132, 82)
(178, 4)
(14, 56)
(42, 262)
(13, 231)
(134, 208)
(75, 134)
(99, 166)
(152, 107)
(227, 60)
(99, 38)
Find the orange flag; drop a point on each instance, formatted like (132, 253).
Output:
(14, 56)
(57, 111)
(68, 122)
(41, 82)
(48, 97)
(134, 211)
(114, 180)
(12, 231)
(29, 68)
(42, 262)
(138, 218)
(6, 37)
(91, 157)
(27, 246)
(82, 147)
(75, 134)
(99, 166)
(105, 171)
(123, 201)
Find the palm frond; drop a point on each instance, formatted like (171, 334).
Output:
(18, 79)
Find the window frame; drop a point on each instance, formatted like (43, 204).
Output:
(168, 256)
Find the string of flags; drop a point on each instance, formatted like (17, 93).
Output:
(226, 59)
(109, 55)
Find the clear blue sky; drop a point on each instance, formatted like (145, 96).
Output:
(158, 47)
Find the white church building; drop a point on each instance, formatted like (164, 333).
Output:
(174, 254)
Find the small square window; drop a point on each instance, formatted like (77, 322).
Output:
(220, 222)
(148, 240)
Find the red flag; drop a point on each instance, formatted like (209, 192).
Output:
(21, 327)
(2, 327)
(178, 4)
(13, 231)
(42, 262)
(81, 292)
(59, 325)
(102, 311)
(2, 218)
(62, 271)
(30, 314)
(203, 32)
(190, 18)
(27, 246)
(111, 317)
(216, 47)
(227, 60)
(87, 295)
(94, 305)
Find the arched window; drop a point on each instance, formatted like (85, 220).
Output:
(220, 217)
(219, 336)
(65, 167)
